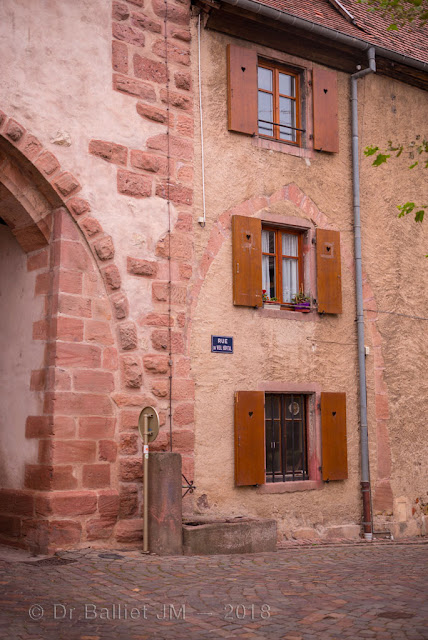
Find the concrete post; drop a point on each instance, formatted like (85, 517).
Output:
(165, 513)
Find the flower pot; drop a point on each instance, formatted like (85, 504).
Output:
(272, 305)
(303, 307)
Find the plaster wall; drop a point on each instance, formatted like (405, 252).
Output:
(57, 82)
(320, 350)
(20, 354)
(57, 79)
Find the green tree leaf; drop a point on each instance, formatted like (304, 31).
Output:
(370, 151)
(380, 159)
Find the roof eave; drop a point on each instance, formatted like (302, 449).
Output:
(331, 34)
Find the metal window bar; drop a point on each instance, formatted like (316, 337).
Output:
(282, 472)
(303, 401)
(292, 431)
(282, 438)
(272, 438)
(284, 126)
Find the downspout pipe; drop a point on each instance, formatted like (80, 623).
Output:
(364, 443)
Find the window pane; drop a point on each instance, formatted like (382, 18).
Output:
(290, 245)
(273, 434)
(293, 407)
(294, 441)
(265, 113)
(265, 79)
(269, 276)
(285, 437)
(268, 241)
(277, 449)
(287, 85)
(276, 407)
(290, 278)
(287, 115)
(273, 452)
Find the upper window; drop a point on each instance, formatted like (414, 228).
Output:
(267, 100)
(278, 103)
(282, 264)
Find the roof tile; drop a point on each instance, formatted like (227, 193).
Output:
(369, 26)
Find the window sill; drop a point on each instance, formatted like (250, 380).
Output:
(278, 312)
(282, 147)
(289, 487)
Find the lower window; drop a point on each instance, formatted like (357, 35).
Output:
(286, 437)
(281, 437)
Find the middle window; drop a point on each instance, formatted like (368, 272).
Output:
(282, 264)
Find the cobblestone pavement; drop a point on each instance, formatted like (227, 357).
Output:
(301, 592)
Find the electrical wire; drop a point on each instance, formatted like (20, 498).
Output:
(402, 315)
(169, 225)
(201, 120)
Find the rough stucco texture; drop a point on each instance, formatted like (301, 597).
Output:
(57, 77)
(322, 351)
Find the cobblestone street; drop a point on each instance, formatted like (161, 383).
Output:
(301, 592)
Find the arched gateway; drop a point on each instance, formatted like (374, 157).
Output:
(59, 357)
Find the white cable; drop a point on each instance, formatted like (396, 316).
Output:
(200, 112)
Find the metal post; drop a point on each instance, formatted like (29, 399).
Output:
(146, 484)
(147, 435)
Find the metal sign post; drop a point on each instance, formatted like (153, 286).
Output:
(148, 426)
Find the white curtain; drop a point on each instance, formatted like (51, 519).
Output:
(265, 275)
(290, 270)
(266, 283)
(290, 245)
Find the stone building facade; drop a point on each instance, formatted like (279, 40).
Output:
(119, 262)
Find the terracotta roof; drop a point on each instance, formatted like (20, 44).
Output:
(370, 25)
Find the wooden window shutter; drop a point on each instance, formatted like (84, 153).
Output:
(333, 434)
(329, 278)
(326, 128)
(247, 261)
(249, 438)
(242, 112)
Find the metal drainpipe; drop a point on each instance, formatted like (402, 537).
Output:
(365, 471)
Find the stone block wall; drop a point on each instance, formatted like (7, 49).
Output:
(105, 359)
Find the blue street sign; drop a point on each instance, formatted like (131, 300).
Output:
(221, 344)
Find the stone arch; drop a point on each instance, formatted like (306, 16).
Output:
(70, 491)
(222, 228)
(35, 178)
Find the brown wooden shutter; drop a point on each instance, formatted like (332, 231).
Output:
(249, 438)
(247, 261)
(333, 434)
(326, 128)
(329, 278)
(242, 89)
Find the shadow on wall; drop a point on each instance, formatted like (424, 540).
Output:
(20, 355)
